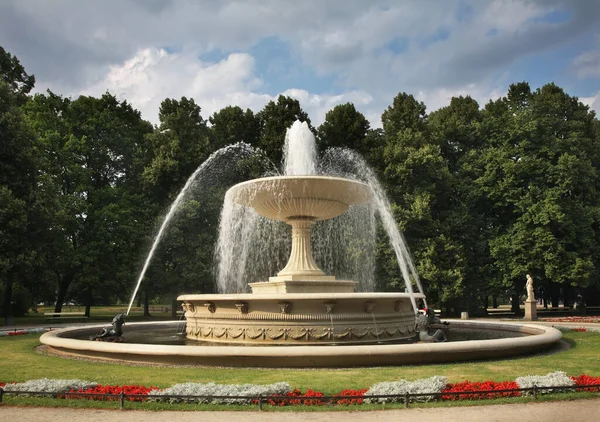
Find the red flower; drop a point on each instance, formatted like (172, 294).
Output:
(135, 390)
(587, 380)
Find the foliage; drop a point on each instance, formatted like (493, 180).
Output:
(212, 389)
(280, 394)
(552, 379)
(484, 196)
(433, 385)
(275, 118)
(47, 385)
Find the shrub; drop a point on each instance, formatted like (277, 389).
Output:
(46, 385)
(212, 389)
(553, 379)
(433, 385)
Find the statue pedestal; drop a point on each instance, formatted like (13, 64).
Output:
(530, 310)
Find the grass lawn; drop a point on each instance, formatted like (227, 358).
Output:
(21, 362)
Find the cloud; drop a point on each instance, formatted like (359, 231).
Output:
(592, 102)
(152, 75)
(359, 50)
(439, 98)
(588, 64)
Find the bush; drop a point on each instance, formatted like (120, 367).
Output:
(212, 389)
(433, 385)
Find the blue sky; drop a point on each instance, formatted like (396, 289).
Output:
(321, 52)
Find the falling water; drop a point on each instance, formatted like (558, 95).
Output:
(238, 150)
(344, 161)
(252, 248)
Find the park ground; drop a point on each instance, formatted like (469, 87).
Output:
(579, 410)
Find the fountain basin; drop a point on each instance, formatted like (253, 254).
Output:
(313, 198)
(536, 338)
(300, 318)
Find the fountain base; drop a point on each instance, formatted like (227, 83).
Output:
(300, 318)
(304, 284)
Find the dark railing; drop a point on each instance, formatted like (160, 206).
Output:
(330, 400)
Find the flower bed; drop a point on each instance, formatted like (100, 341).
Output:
(582, 319)
(587, 380)
(480, 390)
(281, 394)
(23, 331)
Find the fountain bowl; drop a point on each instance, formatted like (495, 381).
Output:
(314, 198)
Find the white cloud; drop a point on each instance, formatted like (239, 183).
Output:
(152, 75)
(592, 102)
(370, 50)
(439, 98)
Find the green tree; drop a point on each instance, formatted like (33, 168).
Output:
(418, 181)
(176, 148)
(231, 125)
(457, 130)
(344, 126)
(18, 160)
(276, 118)
(540, 174)
(92, 158)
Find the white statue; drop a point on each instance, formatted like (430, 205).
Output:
(529, 287)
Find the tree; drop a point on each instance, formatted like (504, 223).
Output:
(231, 125)
(276, 118)
(540, 173)
(18, 160)
(92, 150)
(457, 130)
(418, 182)
(177, 147)
(13, 74)
(344, 126)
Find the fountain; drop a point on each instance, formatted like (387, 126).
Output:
(302, 317)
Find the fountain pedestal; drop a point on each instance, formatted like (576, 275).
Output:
(302, 274)
(530, 310)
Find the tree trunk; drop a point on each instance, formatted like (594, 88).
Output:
(89, 298)
(494, 302)
(6, 303)
(63, 288)
(146, 304)
(515, 304)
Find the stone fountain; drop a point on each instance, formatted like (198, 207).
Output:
(301, 304)
(299, 317)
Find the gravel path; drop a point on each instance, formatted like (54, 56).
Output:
(579, 410)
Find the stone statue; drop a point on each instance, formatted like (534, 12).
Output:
(424, 322)
(114, 333)
(529, 287)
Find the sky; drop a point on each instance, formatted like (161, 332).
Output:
(321, 52)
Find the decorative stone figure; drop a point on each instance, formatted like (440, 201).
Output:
(426, 322)
(529, 286)
(114, 333)
(530, 303)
